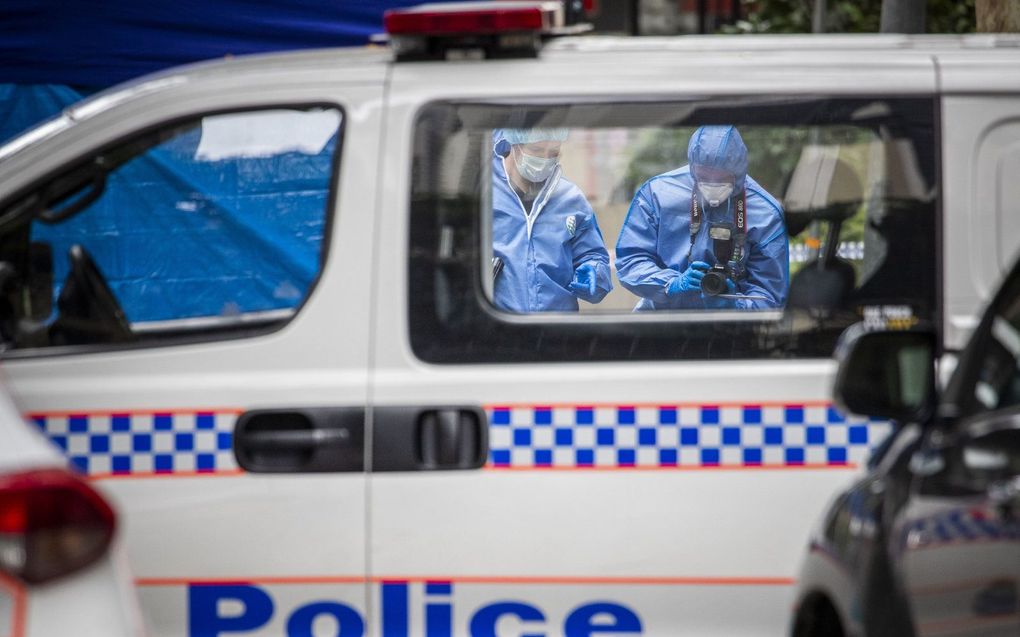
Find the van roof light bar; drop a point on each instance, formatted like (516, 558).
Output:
(474, 29)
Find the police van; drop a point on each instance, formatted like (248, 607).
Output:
(255, 301)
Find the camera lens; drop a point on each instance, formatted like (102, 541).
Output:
(714, 283)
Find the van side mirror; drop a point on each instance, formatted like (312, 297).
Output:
(886, 374)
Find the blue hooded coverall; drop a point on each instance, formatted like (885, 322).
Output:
(541, 251)
(654, 247)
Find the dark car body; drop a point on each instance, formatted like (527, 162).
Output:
(927, 542)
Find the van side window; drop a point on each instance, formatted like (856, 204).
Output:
(996, 166)
(210, 226)
(717, 229)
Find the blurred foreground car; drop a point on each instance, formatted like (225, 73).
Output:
(60, 572)
(928, 542)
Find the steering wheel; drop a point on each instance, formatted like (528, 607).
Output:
(88, 310)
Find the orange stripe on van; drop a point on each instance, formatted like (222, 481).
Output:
(219, 473)
(233, 581)
(662, 405)
(720, 467)
(573, 580)
(594, 580)
(133, 412)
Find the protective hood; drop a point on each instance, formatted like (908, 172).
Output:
(719, 147)
(503, 138)
(531, 135)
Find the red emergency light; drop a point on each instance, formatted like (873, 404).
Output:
(476, 18)
(504, 28)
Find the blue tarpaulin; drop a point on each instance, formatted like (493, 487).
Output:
(180, 232)
(180, 236)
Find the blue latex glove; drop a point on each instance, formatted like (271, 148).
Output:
(689, 280)
(583, 284)
(716, 303)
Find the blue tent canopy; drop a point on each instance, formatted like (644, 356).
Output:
(98, 44)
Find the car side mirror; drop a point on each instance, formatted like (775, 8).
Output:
(886, 374)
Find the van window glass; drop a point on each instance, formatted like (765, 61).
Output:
(737, 228)
(207, 226)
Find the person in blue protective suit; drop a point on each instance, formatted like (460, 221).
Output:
(705, 235)
(548, 251)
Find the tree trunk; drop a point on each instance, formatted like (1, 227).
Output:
(903, 16)
(998, 16)
(819, 17)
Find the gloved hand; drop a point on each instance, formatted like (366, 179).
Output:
(689, 280)
(583, 284)
(717, 303)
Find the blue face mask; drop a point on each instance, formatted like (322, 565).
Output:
(534, 169)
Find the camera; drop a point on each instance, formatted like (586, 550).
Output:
(714, 281)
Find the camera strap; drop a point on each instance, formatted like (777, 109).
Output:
(727, 245)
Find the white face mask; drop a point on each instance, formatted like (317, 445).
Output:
(715, 193)
(534, 169)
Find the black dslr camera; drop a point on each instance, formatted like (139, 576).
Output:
(714, 281)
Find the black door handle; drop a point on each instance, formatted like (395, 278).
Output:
(429, 438)
(296, 439)
(308, 440)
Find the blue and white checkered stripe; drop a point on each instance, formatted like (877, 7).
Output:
(520, 437)
(144, 443)
(678, 436)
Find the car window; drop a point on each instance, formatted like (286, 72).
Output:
(208, 225)
(738, 228)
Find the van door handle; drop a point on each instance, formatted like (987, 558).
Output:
(307, 440)
(265, 440)
(429, 438)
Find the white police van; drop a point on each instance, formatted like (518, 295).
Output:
(252, 299)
